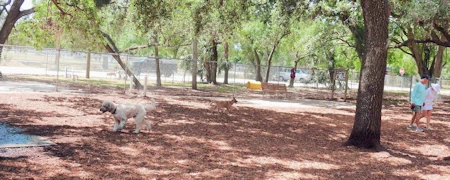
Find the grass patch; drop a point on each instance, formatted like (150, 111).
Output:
(119, 83)
(111, 83)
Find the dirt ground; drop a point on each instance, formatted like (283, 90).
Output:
(262, 138)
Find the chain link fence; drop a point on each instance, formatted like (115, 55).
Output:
(17, 60)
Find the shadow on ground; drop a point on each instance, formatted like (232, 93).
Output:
(189, 142)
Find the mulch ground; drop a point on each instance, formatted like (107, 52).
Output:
(189, 141)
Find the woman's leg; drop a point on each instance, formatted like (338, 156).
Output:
(428, 116)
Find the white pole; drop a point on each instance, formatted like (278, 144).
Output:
(234, 79)
(145, 85)
(131, 85)
(46, 64)
(125, 83)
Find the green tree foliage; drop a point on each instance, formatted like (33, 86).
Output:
(325, 33)
(50, 18)
(419, 33)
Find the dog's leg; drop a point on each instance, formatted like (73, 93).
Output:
(122, 124)
(149, 126)
(116, 126)
(138, 129)
(139, 120)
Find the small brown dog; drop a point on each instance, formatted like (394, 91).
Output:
(111, 74)
(223, 104)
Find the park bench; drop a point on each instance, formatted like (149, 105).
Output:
(273, 88)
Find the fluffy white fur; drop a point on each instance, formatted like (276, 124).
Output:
(123, 112)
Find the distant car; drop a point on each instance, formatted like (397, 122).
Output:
(300, 75)
(168, 67)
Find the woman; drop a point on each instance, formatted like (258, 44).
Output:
(428, 104)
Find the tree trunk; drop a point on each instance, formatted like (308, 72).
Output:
(225, 79)
(14, 14)
(269, 60)
(417, 53)
(214, 58)
(124, 66)
(158, 69)
(112, 48)
(211, 65)
(194, 62)
(367, 125)
(258, 65)
(438, 65)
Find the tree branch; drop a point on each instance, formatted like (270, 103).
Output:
(345, 41)
(424, 41)
(406, 52)
(55, 2)
(6, 3)
(4, 7)
(26, 12)
(110, 41)
(148, 46)
(74, 6)
(442, 31)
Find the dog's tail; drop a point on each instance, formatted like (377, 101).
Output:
(152, 106)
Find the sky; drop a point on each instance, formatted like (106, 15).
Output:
(27, 4)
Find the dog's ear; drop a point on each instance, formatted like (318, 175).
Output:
(111, 105)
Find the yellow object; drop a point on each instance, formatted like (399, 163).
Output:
(253, 85)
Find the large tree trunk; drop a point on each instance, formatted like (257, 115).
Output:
(438, 62)
(269, 60)
(225, 79)
(258, 65)
(417, 52)
(211, 65)
(367, 125)
(14, 14)
(158, 69)
(194, 62)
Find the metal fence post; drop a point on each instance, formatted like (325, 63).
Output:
(131, 85)
(145, 85)
(184, 75)
(173, 75)
(234, 79)
(125, 83)
(58, 51)
(410, 87)
(346, 85)
(88, 64)
(46, 63)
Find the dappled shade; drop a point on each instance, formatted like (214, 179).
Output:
(190, 141)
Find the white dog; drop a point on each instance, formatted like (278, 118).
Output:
(123, 112)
